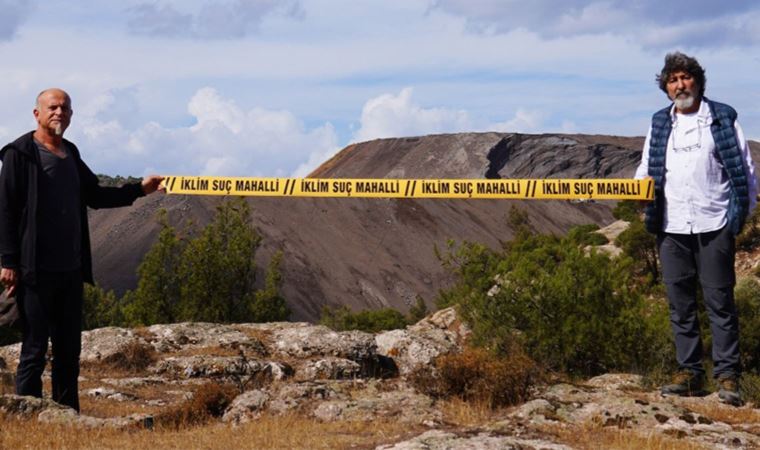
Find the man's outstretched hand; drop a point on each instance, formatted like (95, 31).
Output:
(152, 183)
(9, 279)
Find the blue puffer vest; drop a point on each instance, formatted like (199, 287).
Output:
(728, 152)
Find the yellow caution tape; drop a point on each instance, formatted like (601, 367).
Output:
(555, 189)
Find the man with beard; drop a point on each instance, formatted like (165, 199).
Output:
(45, 189)
(705, 187)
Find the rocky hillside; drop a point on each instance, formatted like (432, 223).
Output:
(368, 253)
(131, 377)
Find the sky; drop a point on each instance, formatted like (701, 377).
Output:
(275, 87)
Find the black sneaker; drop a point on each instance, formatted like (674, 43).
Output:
(728, 390)
(685, 383)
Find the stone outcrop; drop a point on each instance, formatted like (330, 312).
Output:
(329, 376)
(447, 440)
(421, 343)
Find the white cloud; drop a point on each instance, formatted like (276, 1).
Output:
(391, 115)
(524, 121)
(214, 20)
(12, 15)
(224, 140)
(696, 25)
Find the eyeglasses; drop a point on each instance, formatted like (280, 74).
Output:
(687, 140)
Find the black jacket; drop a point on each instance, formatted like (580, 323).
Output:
(18, 205)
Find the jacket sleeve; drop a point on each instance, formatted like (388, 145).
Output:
(12, 201)
(97, 196)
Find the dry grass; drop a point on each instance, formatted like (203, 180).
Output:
(595, 437)
(727, 414)
(281, 432)
(134, 358)
(460, 413)
(208, 402)
(475, 375)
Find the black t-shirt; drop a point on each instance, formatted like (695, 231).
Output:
(59, 227)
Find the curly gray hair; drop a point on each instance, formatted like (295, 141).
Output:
(677, 61)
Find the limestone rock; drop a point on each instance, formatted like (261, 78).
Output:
(403, 404)
(331, 368)
(69, 417)
(106, 343)
(246, 406)
(444, 440)
(134, 382)
(10, 353)
(207, 367)
(608, 401)
(180, 336)
(616, 381)
(419, 344)
(317, 341)
(27, 407)
(109, 394)
(294, 395)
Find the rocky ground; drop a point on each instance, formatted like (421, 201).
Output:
(280, 368)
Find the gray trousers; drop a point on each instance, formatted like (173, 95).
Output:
(708, 258)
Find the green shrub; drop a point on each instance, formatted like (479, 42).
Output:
(747, 298)
(749, 384)
(628, 210)
(574, 312)
(749, 238)
(641, 246)
(418, 311)
(210, 277)
(371, 321)
(586, 235)
(100, 308)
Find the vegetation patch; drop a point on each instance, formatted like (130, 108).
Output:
(341, 318)
(477, 376)
(134, 358)
(574, 312)
(209, 401)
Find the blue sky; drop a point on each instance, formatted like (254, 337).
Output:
(275, 87)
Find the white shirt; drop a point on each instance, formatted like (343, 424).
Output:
(696, 186)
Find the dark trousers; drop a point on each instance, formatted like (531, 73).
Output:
(709, 259)
(52, 308)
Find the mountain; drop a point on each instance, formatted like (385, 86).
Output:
(371, 253)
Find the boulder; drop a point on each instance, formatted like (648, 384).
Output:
(446, 440)
(295, 395)
(331, 368)
(402, 404)
(246, 407)
(201, 366)
(195, 335)
(27, 407)
(107, 343)
(318, 341)
(421, 343)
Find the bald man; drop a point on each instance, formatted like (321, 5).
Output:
(45, 189)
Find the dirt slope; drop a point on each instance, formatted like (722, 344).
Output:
(369, 253)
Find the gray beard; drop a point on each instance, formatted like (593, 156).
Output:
(58, 130)
(684, 102)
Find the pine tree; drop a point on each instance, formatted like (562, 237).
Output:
(158, 292)
(268, 305)
(217, 268)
